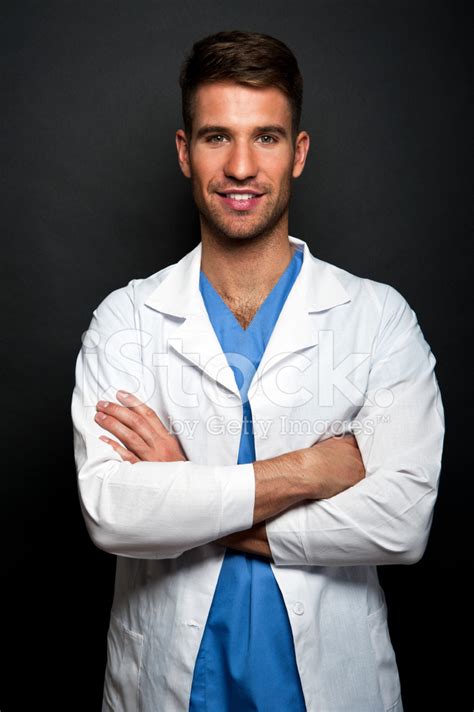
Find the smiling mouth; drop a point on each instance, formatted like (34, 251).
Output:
(241, 201)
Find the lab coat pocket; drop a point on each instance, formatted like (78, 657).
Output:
(387, 670)
(122, 675)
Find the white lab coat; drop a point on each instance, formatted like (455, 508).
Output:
(346, 354)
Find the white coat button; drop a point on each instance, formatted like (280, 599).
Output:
(298, 608)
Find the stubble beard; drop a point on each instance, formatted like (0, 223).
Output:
(223, 226)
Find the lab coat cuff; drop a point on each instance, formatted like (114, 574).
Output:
(238, 498)
(284, 539)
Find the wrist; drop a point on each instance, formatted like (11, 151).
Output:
(280, 482)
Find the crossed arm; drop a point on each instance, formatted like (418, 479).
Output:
(310, 505)
(310, 473)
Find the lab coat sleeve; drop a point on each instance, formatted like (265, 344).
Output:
(152, 510)
(386, 517)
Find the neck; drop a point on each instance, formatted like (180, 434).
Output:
(241, 268)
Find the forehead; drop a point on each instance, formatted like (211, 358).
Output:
(231, 103)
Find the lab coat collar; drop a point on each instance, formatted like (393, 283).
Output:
(179, 294)
(315, 289)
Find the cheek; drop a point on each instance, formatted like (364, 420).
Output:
(204, 182)
(204, 167)
(277, 168)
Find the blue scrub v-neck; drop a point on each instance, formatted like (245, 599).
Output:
(246, 661)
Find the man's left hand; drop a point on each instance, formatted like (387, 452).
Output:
(250, 541)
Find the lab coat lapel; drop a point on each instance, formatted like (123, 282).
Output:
(316, 289)
(178, 295)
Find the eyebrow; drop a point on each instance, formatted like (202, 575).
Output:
(271, 128)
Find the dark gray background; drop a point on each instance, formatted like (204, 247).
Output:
(93, 197)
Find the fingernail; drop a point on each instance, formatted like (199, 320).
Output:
(103, 404)
(100, 416)
(123, 394)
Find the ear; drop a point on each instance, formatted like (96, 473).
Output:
(301, 151)
(182, 146)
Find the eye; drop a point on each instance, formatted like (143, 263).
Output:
(215, 138)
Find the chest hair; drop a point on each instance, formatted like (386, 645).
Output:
(244, 309)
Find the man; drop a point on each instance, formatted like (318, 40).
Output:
(279, 434)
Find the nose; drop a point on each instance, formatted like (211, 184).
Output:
(241, 162)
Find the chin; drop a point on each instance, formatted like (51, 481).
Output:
(238, 234)
(228, 232)
(241, 236)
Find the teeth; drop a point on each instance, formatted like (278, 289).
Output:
(240, 196)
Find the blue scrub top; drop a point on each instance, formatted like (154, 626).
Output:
(246, 661)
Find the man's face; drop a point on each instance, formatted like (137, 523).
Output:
(241, 142)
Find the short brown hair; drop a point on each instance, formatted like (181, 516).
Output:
(248, 58)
